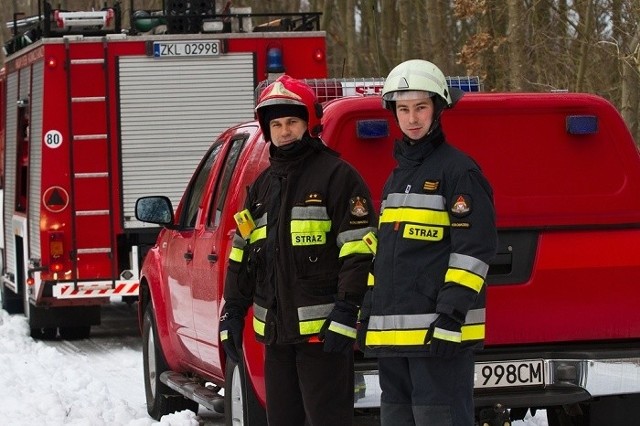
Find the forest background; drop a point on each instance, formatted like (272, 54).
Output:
(512, 45)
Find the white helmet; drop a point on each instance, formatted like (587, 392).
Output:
(414, 77)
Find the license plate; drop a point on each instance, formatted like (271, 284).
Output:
(162, 49)
(509, 374)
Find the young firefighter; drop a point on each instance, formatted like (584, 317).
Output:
(424, 313)
(302, 263)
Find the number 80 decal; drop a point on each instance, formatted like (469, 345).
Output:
(52, 139)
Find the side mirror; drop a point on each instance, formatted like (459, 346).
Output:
(154, 209)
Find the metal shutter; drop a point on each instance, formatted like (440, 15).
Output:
(171, 110)
(35, 159)
(10, 170)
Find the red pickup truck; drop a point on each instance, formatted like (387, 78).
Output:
(563, 328)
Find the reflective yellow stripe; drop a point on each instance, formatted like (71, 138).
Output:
(236, 254)
(258, 234)
(427, 217)
(310, 226)
(224, 335)
(311, 327)
(464, 278)
(472, 332)
(396, 337)
(354, 247)
(258, 326)
(370, 280)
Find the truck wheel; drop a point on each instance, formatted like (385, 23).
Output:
(75, 333)
(558, 416)
(161, 399)
(241, 406)
(11, 302)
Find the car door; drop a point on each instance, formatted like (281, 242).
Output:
(213, 241)
(179, 253)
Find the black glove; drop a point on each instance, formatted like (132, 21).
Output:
(445, 336)
(339, 330)
(363, 319)
(231, 326)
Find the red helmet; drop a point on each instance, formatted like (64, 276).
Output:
(287, 91)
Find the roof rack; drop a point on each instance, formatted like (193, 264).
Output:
(328, 89)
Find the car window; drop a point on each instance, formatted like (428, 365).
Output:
(218, 201)
(190, 210)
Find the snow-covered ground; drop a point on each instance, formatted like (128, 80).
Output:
(94, 382)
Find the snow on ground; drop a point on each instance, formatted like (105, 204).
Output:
(55, 383)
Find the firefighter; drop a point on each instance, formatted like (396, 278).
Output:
(299, 257)
(424, 311)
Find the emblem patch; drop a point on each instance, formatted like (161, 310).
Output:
(462, 206)
(313, 198)
(430, 185)
(358, 206)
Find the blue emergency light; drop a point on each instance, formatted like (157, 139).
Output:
(274, 60)
(582, 124)
(372, 129)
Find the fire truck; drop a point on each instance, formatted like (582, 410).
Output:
(94, 116)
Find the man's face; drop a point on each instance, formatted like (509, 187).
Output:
(286, 130)
(415, 116)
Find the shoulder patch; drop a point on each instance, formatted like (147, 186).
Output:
(461, 205)
(358, 206)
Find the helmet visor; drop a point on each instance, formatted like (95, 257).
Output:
(407, 95)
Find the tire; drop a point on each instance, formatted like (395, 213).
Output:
(11, 302)
(558, 416)
(241, 406)
(75, 333)
(44, 333)
(161, 399)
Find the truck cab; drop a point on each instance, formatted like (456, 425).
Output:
(562, 331)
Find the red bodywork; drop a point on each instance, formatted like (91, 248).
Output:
(576, 199)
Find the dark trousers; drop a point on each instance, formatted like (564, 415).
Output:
(427, 391)
(307, 386)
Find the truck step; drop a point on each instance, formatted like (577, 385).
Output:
(194, 391)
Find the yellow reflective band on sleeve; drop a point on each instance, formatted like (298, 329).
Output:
(236, 254)
(473, 332)
(311, 327)
(303, 226)
(258, 326)
(371, 280)
(224, 335)
(342, 329)
(308, 238)
(424, 233)
(395, 337)
(465, 278)
(421, 216)
(258, 234)
(354, 247)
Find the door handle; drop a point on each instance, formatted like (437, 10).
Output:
(188, 255)
(213, 257)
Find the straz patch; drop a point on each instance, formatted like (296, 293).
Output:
(430, 185)
(313, 198)
(358, 207)
(308, 238)
(461, 205)
(425, 233)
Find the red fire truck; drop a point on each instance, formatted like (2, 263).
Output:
(95, 116)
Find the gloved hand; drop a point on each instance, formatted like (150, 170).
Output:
(231, 326)
(339, 330)
(361, 336)
(363, 319)
(445, 336)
